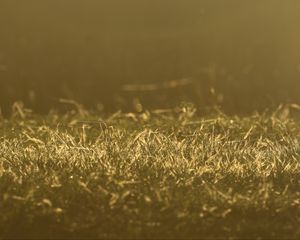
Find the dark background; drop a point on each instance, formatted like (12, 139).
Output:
(89, 51)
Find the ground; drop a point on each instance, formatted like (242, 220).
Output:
(149, 175)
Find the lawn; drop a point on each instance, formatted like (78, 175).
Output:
(159, 174)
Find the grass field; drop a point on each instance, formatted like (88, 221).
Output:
(149, 175)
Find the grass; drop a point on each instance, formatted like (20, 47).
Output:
(149, 175)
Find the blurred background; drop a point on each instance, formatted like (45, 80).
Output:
(240, 55)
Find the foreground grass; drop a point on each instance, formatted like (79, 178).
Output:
(145, 176)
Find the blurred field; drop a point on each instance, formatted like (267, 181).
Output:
(248, 52)
(158, 174)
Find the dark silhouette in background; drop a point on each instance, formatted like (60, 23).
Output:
(243, 55)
